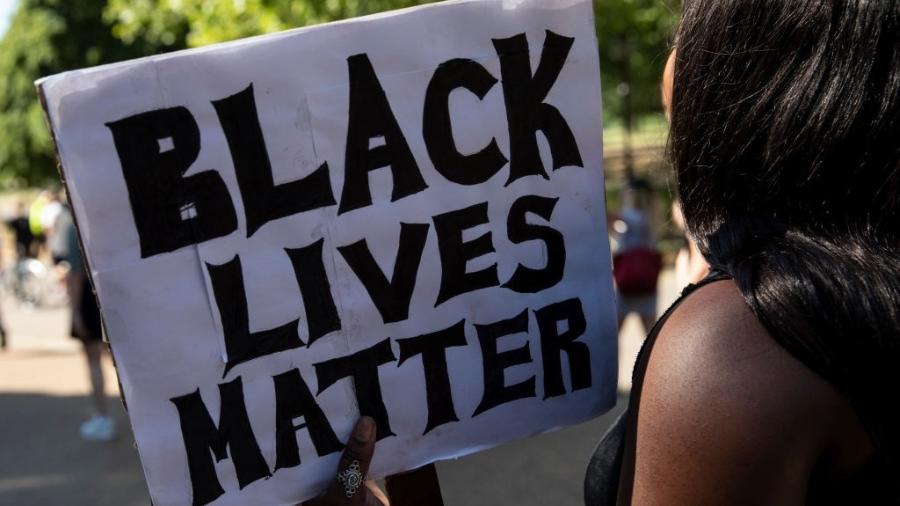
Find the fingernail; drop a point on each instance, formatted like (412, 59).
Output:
(365, 429)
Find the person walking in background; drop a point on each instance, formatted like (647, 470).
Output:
(636, 262)
(22, 231)
(56, 225)
(86, 326)
(35, 210)
(50, 212)
(3, 338)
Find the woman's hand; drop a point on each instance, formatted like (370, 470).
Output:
(349, 487)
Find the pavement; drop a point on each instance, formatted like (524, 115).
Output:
(43, 399)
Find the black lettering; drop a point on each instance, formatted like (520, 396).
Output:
(433, 348)
(294, 400)
(496, 392)
(231, 300)
(370, 117)
(525, 279)
(526, 111)
(170, 211)
(263, 200)
(553, 343)
(362, 368)
(309, 268)
(437, 131)
(234, 435)
(391, 297)
(455, 253)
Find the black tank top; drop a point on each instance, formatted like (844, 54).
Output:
(613, 461)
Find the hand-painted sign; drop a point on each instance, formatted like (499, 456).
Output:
(400, 216)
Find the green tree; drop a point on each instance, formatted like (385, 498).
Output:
(49, 36)
(634, 37)
(213, 21)
(46, 37)
(633, 34)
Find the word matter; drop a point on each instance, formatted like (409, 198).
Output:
(233, 435)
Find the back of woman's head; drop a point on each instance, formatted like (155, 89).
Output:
(784, 140)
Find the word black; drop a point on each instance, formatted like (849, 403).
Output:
(172, 210)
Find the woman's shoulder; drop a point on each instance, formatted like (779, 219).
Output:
(732, 407)
(714, 336)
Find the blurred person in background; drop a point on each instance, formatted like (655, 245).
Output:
(56, 223)
(35, 211)
(22, 231)
(49, 212)
(86, 325)
(636, 261)
(14, 225)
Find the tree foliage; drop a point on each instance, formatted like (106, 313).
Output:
(46, 37)
(25, 148)
(633, 34)
(213, 21)
(49, 36)
(634, 38)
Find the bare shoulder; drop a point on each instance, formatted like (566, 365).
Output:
(714, 347)
(726, 415)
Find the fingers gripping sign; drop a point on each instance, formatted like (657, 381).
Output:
(349, 487)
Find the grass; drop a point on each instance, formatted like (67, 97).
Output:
(649, 131)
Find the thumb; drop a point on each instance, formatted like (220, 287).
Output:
(348, 487)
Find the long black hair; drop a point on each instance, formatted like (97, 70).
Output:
(785, 141)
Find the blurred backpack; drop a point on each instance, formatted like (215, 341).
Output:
(636, 271)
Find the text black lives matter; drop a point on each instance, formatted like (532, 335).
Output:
(160, 194)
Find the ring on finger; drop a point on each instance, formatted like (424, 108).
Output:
(351, 478)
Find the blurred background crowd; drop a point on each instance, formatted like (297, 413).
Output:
(53, 448)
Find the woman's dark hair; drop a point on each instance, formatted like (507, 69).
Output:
(785, 140)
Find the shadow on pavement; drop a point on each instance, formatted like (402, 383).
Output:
(43, 461)
(543, 470)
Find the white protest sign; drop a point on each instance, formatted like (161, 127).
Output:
(400, 216)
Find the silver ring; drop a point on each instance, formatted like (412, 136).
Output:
(351, 478)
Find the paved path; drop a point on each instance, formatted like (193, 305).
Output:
(43, 386)
(43, 462)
